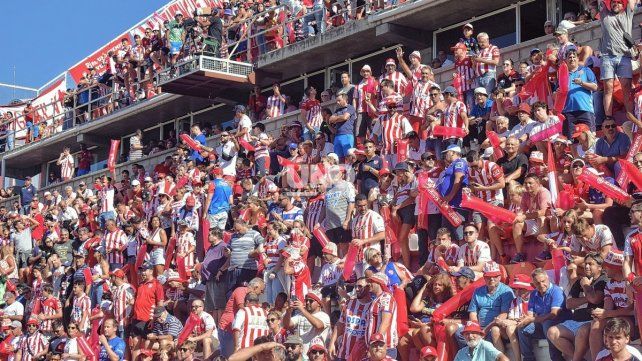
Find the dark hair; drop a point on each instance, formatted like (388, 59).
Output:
(533, 176)
(539, 105)
(360, 197)
(617, 325)
(471, 224)
(327, 111)
(261, 126)
(472, 156)
(368, 141)
(595, 256)
(308, 90)
(387, 83)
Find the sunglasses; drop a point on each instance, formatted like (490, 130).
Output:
(575, 166)
(610, 126)
(291, 346)
(469, 233)
(184, 349)
(316, 352)
(272, 319)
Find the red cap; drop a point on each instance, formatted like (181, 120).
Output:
(491, 269)
(32, 321)
(217, 171)
(579, 129)
(524, 107)
(190, 201)
(377, 337)
(428, 351)
(118, 273)
(461, 46)
(521, 281)
(315, 296)
(472, 327)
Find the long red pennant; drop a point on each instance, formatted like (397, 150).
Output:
(113, 155)
(249, 147)
(443, 131)
(444, 208)
(636, 145)
(494, 140)
(402, 150)
(284, 162)
(320, 236)
(552, 129)
(192, 321)
(171, 248)
(454, 303)
(491, 211)
(563, 88)
(351, 259)
(194, 145)
(632, 172)
(604, 186)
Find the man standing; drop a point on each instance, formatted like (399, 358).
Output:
(531, 219)
(454, 116)
(382, 314)
(486, 63)
(275, 103)
(616, 24)
(122, 301)
(112, 347)
(339, 206)
(219, 201)
(234, 303)
(27, 192)
(351, 327)
(579, 102)
(398, 80)
(310, 113)
(311, 322)
(199, 138)
(451, 183)
(66, 163)
(368, 88)
(368, 172)
(546, 308)
(149, 296)
(249, 323)
(175, 37)
(245, 247)
(343, 121)
(33, 345)
(115, 242)
(81, 307)
(368, 230)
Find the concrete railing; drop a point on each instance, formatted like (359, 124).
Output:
(272, 127)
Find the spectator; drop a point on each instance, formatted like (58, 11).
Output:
(451, 183)
(472, 46)
(343, 121)
(136, 145)
(477, 346)
(617, 335)
(613, 145)
(549, 28)
(486, 62)
(531, 220)
(27, 192)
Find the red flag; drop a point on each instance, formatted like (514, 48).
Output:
(604, 186)
(205, 233)
(402, 150)
(632, 172)
(249, 147)
(495, 213)
(537, 88)
(391, 236)
(351, 259)
(113, 155)
(563, 87)
(181, 268)
(192, 321)
(194, 145)
(493, 138)
(636, 145)
(171, 248)
(552, 173)
(284, 162)
(443, 131)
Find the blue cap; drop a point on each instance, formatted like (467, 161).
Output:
(466, 272)
(450, 90)
(453, 148)
(292, 145)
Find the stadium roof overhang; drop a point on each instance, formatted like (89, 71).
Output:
(28, 159)
(411, 25)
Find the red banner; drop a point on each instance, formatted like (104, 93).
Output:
(97, 60)
(447, 132)
(402, 150)
(113, 155)
(190, 142)
(636, 145)
(351, 259)
(446, 210)
(604, 186)
(494, 140)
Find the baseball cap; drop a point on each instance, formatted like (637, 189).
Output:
(118, 273)
(579, 129)
(390, 61)
(548, 23)
(614, 259)
(560, 31)
(402, 166)
(239, 108)
(427, 351)
(293, 340)
(466, 272)
(148, 180)
(291, 252)
(380, 279)
(416, 54)
(524, 107)
(158, 311)
(578, 160)
(135, 182)
(468, 25)
(292, 145)
(535, 51)
(536, 156)
(178, 13)
(450, 90)
(366, 67)
(317, 346)
(491, 269)
(452, 148)
(377, 337)
(458, 46)
(316, 296)
(16, 324)
(560, 138)
(147, 352)
(472, 327)
(481, 90)
(488, 152)
(330, 248)
(522, 281)
(33, 321)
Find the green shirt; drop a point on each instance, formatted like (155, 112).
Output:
(176, 31)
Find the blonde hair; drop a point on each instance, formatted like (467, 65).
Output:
(515, 188)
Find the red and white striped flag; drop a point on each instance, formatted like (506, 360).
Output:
(552, 173)
(113, 155)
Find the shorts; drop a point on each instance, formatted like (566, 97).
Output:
(531, 228)
(175, 47)
(572, 325)
(343, 142)
(339, 235)
(139, 328)
(616, 65)
(218, 220)
(215, 294)
(22, 259)
(157, 257)
(407, 215)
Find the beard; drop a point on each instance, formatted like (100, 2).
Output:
(473, 343)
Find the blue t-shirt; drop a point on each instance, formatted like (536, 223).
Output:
(488, 306)
(196, 155)
(221, 198)
(346, 127)
(26, 194)
(479, 110)
(580, 98)
(552, 298)
(117, 345)
(447, 179)
(483, 352)
(597, 197)
(618, 148)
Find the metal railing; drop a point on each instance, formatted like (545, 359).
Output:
(194, 63)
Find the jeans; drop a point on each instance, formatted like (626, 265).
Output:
(226, 340)
(487, 81)
(315, 14)
(537, 332)
(10, 139)
(96, 294)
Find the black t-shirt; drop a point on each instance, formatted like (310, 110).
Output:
(367, 178)
(510, 166)
(215, 29)
(584, 314)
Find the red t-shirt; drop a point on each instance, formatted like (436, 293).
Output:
(147, 296)
(236, 302)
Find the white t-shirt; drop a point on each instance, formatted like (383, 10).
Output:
(14, 309)
(632, 350)
(229, 166)
(307, 332)
(330, 273)
(245, 123)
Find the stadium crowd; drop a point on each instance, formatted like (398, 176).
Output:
(405, 222)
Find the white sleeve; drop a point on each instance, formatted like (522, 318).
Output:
(377, 223)
(239, 321)
(209, 321)
(405, 126)
(484, 253)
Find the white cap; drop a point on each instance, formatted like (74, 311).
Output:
(416, 54)
(47, 193)
(334, 157)
(481, 90)
(135, 182)
(330, 248)
(366, 67)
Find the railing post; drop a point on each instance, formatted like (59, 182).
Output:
(89, 108)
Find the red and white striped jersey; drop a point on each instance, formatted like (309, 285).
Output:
(366, 86)
(115, 243)
(366, 226)
(49, 307)
(488, 53)
(81, 305)
(450, 256)
(431, 208)
(261, 150)
(452, 115)
(518, 308)
(466, 74)
(264, 187)
(275, 107)
(420, 99)
(206, 323)
(122, 299)
(273, 249)
(313, 107)
(106, 196)
(398, 79)
(489, 174)
(67, 167)
(391, 128)
(315, 212)
(384, 303)
(616, 290)
(31, 345)
(301, 281)
(183, 244)
(416, 72)
(251, 322)
(473, 254)
(353, 317)
(195, 175)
